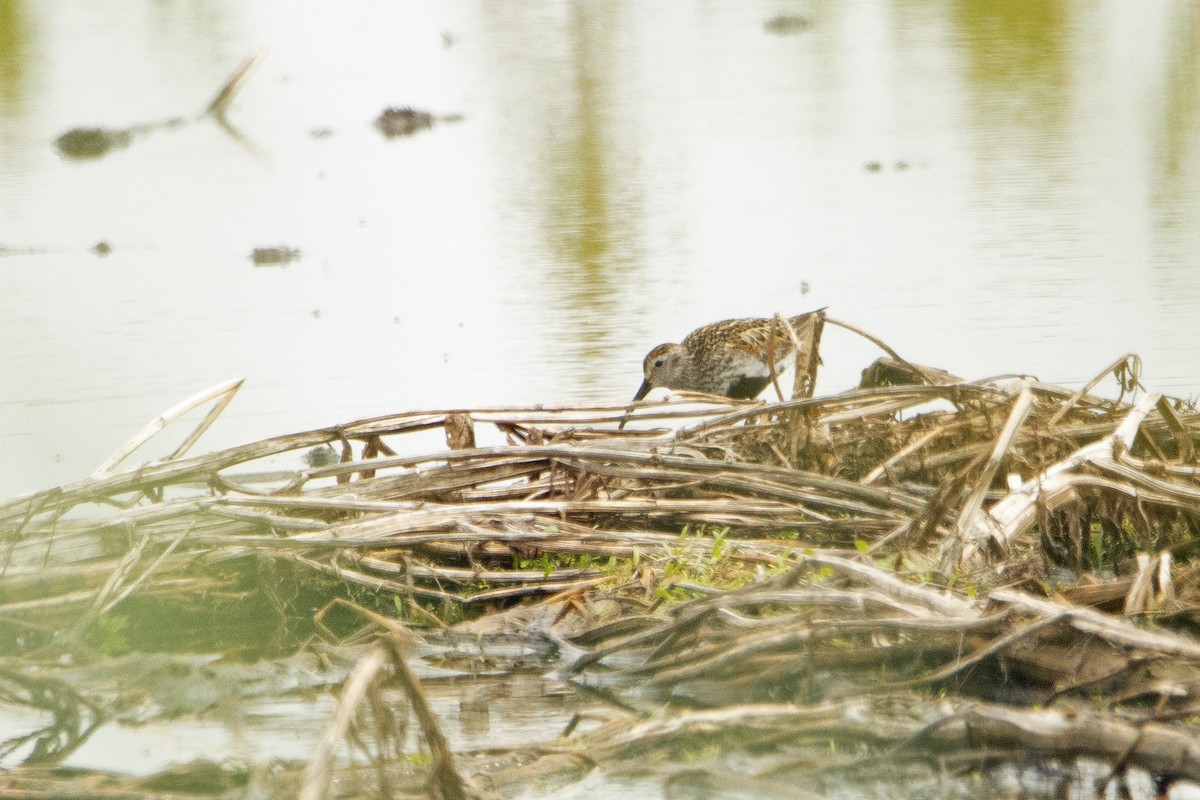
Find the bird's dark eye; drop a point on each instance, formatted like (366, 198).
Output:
(658, 362)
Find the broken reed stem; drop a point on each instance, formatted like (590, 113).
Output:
(220, 103)
(319, 772)
(385, 659)
(1129, 359)
(971, 513)
(222, 392)
(916, 369)
(449, 783)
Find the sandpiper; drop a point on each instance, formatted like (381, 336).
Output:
(734, 358)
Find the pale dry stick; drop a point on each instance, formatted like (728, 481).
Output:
(1137, 599)
(769, 353)
(1015, 511)
(378, 584)
(798, 349)
(426, 571)
(1141, 478)
(272, 521)
(224, 391)
(1187, 448)
(393, 626)
(224, 97)
(596, 459)
(882, 401)
(1161, 750)
(12, 611)
(1104, 373)
(101, 602)
(1087, 620)
(679, 397)
(883, 409)
(1166, 588)
(931, 599)
(383, 584)
(880, 344)
(972, 515)
(132, 587)
(197, 468)
(114, 580)
(697, 661)
(367, 674)
(895, 533)
(867, 624)
(901, 454)
(664, 671)
(565, 416)
(319, 772)
(450, 784)
(688, 725)
(107, 483)
(804, 381)
(991, 648)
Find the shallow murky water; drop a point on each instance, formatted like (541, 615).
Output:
(989, 189)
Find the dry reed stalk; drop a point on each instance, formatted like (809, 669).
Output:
(1009, 516)
(220, 102)
(362, 687)
(223, 393)
(360, 681)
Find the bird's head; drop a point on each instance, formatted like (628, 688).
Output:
(663, 366)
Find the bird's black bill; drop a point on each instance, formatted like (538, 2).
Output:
(642, 391)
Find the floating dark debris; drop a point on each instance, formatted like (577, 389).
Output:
(406, 121)
(787, 24)
(86, 143)
(403, 121)
(83, 143)
(274, 256)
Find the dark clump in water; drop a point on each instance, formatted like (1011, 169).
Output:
(94, 142)
(274, 256)
(84, 143)
(403, 121)
(786, 24)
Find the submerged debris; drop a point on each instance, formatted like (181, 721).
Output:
(87, 142)
(83, 143)
(274, 256)
(786, 24)
(406, 121)
(403, 121)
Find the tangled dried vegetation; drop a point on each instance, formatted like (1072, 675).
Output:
(993, 571)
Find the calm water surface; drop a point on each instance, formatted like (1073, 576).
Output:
(988, 187)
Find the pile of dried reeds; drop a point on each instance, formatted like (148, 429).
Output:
(918, 531)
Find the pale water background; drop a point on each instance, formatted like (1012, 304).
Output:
(623, 172)
(989, 187)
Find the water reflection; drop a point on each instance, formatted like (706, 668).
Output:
(12, 57)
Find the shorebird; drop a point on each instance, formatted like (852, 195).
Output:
(735, 357)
